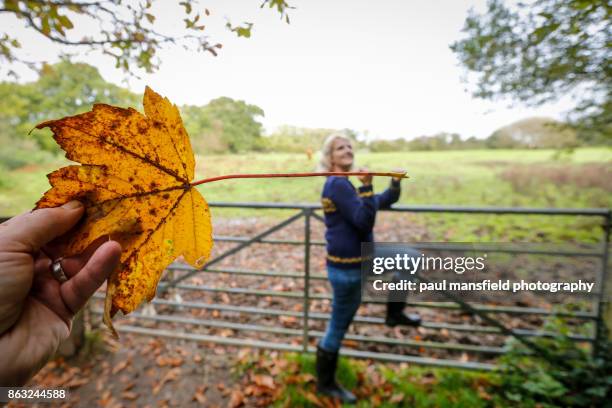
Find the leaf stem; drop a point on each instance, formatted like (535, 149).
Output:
(314, 174)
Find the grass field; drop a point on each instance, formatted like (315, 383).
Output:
(514, 178)
(389, 386)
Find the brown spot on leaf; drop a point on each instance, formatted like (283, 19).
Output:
(136, 213)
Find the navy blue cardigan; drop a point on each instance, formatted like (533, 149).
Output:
(349, 217)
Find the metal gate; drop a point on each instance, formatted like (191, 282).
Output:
(174, 308)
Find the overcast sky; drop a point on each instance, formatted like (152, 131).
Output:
(384, 67)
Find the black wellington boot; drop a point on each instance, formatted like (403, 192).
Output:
(326, 377)
(396, 316)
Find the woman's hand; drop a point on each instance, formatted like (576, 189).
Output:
(36, 310)
(366, 179)
(398, 179)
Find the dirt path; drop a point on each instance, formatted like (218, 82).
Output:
(146, 372)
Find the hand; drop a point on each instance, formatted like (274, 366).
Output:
(36, 310)
(398, 179)
(366, 179)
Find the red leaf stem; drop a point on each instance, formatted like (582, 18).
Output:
(314, 174)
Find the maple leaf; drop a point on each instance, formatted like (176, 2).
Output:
(135, 183)
(135, 180)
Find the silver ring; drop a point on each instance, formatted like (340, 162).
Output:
(58, 272)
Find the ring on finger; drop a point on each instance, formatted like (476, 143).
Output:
(58, 272)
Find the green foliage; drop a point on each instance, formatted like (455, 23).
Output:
(538, 133)
(224, 125)
(392, 145)
(62, 89)
(245, 29)
(541, 51)
(292, 139)
(440, 141)
(531, 133)
(93, 345)
(387, 385)
(67, 89)
(12, 158)
(124, 31)
(5, 180)
(437, 142)
(531, 381)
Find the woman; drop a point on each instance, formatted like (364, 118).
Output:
(349, 219)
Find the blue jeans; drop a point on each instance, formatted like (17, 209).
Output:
(346, 285)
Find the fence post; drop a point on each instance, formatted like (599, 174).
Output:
(605, 299)
(306, 337)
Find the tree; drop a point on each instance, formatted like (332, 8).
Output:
(231, 125)
(126, 30)
(536, 132)
(296, 139)
(541, 51)
(67, 88)
(62, 89)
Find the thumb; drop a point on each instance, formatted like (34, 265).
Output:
(36, 228)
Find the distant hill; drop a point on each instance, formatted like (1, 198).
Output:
(535, 132)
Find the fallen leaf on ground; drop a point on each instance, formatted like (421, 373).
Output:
(129, 395)
(263, 380)
(312, 398)
(236, 400)
(199, 396)
(134, 181)
(169, 361)
(120, 366)
(77, 382)
(105, 398)
(171, 375)
(288, 320)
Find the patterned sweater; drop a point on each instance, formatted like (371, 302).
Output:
(349, 217)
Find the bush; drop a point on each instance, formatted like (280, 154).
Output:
(395, 145)
(529, 178)
(14, 157)
(4, 180)
(583, 380)
(9, 160)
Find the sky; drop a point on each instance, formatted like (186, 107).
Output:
(383, 68)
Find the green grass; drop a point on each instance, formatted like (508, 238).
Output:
(465, 178)
(21, 188)
(383, 385)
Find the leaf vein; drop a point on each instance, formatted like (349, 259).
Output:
(141, 194)
(131, 153)
(162, 222)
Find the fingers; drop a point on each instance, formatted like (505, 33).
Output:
(365, 179)
(28, 232)
(74, 264)
(76, 291)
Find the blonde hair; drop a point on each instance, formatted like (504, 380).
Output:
(325, 164)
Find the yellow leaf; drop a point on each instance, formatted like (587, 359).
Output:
(134, 180)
